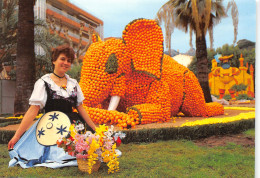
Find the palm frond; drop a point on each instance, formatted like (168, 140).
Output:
(219, 11)
(211, 39)
(195, 16)
(229, 6)
(191, 46)
(234, 14)
(166, 15)
(183, 17)
(207, 15)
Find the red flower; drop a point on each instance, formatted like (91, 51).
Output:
(69, 148)
(71, 153)
(118, 142)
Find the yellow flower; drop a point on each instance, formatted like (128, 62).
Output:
(73, 131)
(92, 155)
(101, 129)
(240, 108)
(241, 116)
(111, 158)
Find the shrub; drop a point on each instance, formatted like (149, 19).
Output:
(243, 97)
(75, 72)
(227, 97)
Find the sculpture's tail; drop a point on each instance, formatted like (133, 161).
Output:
(194, 102)
(214, 109)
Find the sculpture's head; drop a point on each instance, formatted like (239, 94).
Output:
(106, 64)
(225, 61)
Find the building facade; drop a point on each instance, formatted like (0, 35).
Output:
(67, 16)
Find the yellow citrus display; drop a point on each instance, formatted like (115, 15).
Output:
(224, 79)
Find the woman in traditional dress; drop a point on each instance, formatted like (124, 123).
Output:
(52, 92)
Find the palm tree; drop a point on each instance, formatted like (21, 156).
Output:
(8, 23)
(25, 60)
(234, 14)
(200, 16)
(165, 14)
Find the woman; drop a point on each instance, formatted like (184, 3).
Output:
(52, 92)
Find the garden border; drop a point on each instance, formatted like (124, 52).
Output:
(187, 132)
(170, 133)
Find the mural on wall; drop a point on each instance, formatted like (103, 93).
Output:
(228, 80)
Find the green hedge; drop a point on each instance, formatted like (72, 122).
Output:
(171, 133)
(190, 133)
(6, 122)
(5, 136)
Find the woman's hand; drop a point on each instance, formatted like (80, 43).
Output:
(26, 122)
(86, 117)
(12, 142)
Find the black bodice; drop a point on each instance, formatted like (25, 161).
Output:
(58, 103)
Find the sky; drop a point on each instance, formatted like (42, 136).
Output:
(116, 14)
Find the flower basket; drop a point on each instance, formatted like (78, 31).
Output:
(84, 167)
(91, 149)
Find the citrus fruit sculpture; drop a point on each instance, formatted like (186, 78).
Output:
(152, 86)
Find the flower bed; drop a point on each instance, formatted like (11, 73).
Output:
(241, 116)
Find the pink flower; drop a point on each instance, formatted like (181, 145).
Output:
(80, 146)
(79, 137)
(108, 144)
(87, 147)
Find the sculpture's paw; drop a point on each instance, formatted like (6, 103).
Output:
(146, 113)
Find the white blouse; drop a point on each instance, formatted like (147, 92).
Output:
(39, 94)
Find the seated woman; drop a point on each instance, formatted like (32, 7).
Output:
(52, 92)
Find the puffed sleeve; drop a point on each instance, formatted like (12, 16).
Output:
(39, 94)
(80, 96)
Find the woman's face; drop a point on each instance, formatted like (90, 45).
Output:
(62, 64)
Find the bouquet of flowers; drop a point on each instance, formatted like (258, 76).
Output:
(98, 147)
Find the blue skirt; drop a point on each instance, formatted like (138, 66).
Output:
(28, 152)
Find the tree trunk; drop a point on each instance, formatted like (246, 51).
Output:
(202, 66)
(25, 58)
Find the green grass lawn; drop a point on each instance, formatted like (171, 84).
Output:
(173, 158)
